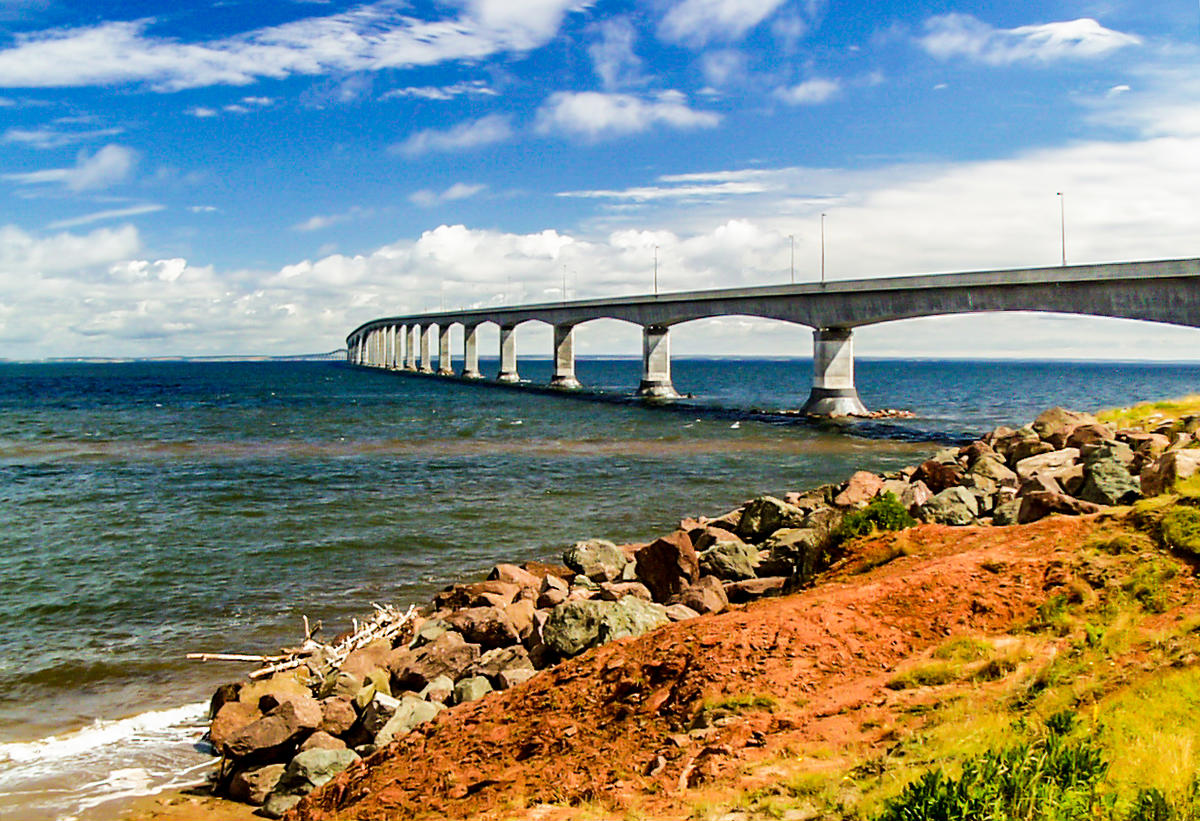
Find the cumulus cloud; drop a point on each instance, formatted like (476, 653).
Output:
(810, 92)
(367, 38)
(594, 115)
(494, 128)
(698, 22)
(612, 54)
(427, 198)
(961, 35)
(107, 167)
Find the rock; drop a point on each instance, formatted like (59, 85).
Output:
(253, 784)
(681, 612)
(448, 655)
(763, 516)
(439, 690)
(365, 659)
(1161, 475)
(337, 716)
(478, 594)
(1038, 483)
(862, 487)
(729, 561)
(1025, 448)
(952, 506)
(706, 595)
(794, 551)
(344, 685)
(615, 591)
(553, 592)
(750, 589)
(667, 565)
(598, 559)
(993, 468)
(1035, 506)
(1056, 424)
(1006, 513)
(1046, 462)
(321, 740)
(378, 713)
(471, 689)
(1108, 482)
(231, 719)
(303, 774)
(1069, 477)
(711, 536)
(492, 663)
(576, 626)
(631, 617)
(1090, 434)
(513, 677)
(427, 632)
(511, 574)
(520, 615)
(916, 494)
(222, 696)
(1150, 445)
(282, 725)
(411, 712)
(486, 626)
(937, 476)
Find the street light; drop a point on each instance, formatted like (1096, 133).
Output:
(1062, 221)
(792, 238)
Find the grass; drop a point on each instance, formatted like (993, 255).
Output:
(884, 512)
(1151, 414)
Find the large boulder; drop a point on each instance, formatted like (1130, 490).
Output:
(794, 551)
(337, 716)
(729, 561)
(598, 559)
(615, 591)
(252, 785)
(512, 574)
(1057, 424)
(706, 595)
(710, 536)
(411, 712)
(1038, 505)
(486, 626)
(303, 774)
(231, 719)
(1046, 462)
(477, 594)
(1090, 435)
(1161, 475)
(377, 713)
(952, 506)
(1108, 482)
(862, 487)
(472, 688)
(283, 724)
(365, 659)
(668, 565)
(494, 662)
(766, 514)
(938, 476)
(992, 468)
(578, 625)
(447, 655)
(631, 617)
(750, 589)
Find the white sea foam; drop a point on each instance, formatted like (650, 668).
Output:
(63, 776)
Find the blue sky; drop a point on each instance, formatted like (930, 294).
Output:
(241, 177)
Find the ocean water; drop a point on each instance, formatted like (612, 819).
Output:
(152, 509)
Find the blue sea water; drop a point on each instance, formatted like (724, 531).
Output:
(152, 509)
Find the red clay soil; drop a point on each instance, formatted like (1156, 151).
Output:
(612, 727)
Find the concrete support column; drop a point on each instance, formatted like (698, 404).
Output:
(389, 359)
(372, 343)
(471, 352)
(397, 342)
(656, 363)
(564, 358)
(355, 351)
(410, 347)
(833, 392)
(445, 366)
(426, 343)
(508, 354)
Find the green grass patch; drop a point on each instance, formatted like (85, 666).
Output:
(1151, 414)
(883, 513)
(927, 674)
(964, 648)
(1180, 529)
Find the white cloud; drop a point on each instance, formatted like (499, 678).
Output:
(697, 22)
(595, 115)
(107, 167)
(961, 35)
(367, 38)
(612, 54)
(1116, 90)
(427, 198)
(447, 92)
(722, 67)
(53, 138)
(322, 221)
(810, 92)
(115, 213)
(494, 128)
(202, 112)
(202, 209)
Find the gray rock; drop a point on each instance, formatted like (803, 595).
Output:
(729, 561)
(485, 626)
(681, 612)
(472, 689)
(1006, 512)
(494, 662)
(447, 655)
(514, 676)
(1108, 482)
(411, 712)
(793, 551)
(253, 785)
(277, 804)
(766, 514)
(304, 773)
(993, 468)
(631, 616)
(953, 506)
(378, 713)
(599, 560)
(429, 631)
(1046, 462)
(576, 626)
(439, 690)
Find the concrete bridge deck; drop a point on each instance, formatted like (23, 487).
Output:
(1165, 291)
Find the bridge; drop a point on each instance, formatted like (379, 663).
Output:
(1156, 291)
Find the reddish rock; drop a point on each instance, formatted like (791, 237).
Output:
(712, 535)
(1046, 462)
(706, 595)
(668, 565)
(512, 574)
(1039, 483)
(1092, 434)
(615, 591)
(861, 489)
(1150, 445)
(447, 655)
(372, 657)
(520, 615)
(337, 716)
(750, 589)
(1041, 504)
(763, 516)
(231, 719)
(1057, 424)
(223, 695)
(479, 594)
(321, 740)
(978, 450)
(1026, 448)
(1161, 475)
(937, 477)
(253, 784)
(282, 725)
(486, 626)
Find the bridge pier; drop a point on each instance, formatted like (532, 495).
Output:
(390, 359)
(426, 365)
(445, 366)
(471, 352)
(656, 363)
(564, 359)
(833, 392)
(508, 354)
(410, 348)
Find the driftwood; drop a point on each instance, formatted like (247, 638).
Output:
(386, 623)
